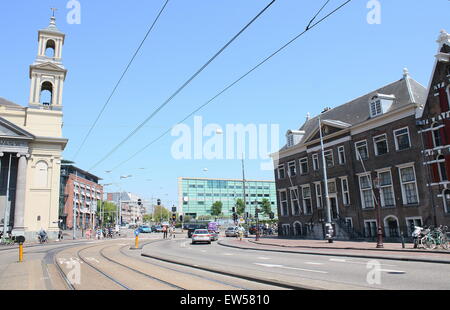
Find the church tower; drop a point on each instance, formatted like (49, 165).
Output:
(47, 73)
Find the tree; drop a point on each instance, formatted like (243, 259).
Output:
(266, 207)
(147, 218)
(160, 214)
(216, 208)
(107, 210)
(240, 206)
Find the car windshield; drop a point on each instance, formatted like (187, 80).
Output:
(201, 232)
(231, 228)
(145, 227)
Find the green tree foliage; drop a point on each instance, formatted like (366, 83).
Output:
(240, 206)
(147, 218)
(108, 211)
(161, 214)
(266, 207)
(216, 208)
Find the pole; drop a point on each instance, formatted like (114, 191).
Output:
(20, 252)
(243, 184)
(74, 216)
(6, 215)
(325, 181)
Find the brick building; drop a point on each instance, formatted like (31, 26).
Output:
(434, 126)
(381, 127)
(80, 189)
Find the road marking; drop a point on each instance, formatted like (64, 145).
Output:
(92, 259)
(263, 257)
(313, 263)
(291, 268)
(204, 251)
(227, 254)
(339, 260)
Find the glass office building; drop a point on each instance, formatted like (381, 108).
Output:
(196, 195)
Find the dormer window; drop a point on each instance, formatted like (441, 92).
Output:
(375, 108)
(293, 137)
(290, 140)
(380, 104)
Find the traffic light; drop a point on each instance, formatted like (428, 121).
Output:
(139, 202)
(158, 202)
(181, 218)
(235, 217)
(233, 210)
(272, 215)
(174, 216)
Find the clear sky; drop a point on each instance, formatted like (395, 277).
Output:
(341, 59)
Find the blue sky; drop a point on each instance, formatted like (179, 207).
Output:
(341, 59)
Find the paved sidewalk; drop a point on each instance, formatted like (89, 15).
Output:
(368, 250)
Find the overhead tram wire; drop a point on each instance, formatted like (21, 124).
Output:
(121, 78)
(182, 87)
(309, 27)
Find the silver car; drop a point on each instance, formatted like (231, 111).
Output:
(201, 235)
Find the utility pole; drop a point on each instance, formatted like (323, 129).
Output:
(6, 212)
(243, 185)
(74, 215)
(328, 225)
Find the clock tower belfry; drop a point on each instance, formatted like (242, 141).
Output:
(47, 73)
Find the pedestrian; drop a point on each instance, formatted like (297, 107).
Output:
(165, 232)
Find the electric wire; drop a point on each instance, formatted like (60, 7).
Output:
(120, 80)
(182, 87)
(309, 27)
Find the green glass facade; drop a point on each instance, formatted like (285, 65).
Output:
(196, 196)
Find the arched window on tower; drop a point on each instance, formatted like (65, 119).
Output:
(50, 47)
(437, 141)
(442, 169)
(46, 94)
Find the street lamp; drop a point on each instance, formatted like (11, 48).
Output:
(376, 185)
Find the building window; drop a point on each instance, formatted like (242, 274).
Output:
(411, 222)
(41, 177)
(341, 155)
(365, 185)
(304, 165)
(437, 141)
(370, 228)
(345, 192)
(319, 196)
(294, 201)
(284, 203)
(290, 140)
(281, 172)
(381, 145)
(349, 222)
(441, 168)
(329, 158)
(361, 150)
(331, 187)
(446, 201)
(292, 169)
(402, 141)
(375, 108)
(315, 159)
(386, 189)
(306, 193)
(409, 186)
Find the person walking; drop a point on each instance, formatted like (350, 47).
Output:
(165, 232)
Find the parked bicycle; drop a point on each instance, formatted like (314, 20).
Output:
(7, 240)
(430, 238)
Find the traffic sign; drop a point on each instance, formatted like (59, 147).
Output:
(136, 232)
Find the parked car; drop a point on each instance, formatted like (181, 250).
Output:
(158, 228)
(201, 235)
(214, 235)
(153, 228)
(193, 227)
(145, 229)
(231, 232)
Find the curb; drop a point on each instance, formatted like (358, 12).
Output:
(235, 275)
(349, 248)
(341, 255)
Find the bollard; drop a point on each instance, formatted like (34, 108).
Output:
(20, 252)
(403, 241)
(136, 242)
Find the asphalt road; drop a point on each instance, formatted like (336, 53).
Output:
(310, 271)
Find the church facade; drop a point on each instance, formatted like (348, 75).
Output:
(31, 144)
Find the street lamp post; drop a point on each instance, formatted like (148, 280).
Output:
(376, 185)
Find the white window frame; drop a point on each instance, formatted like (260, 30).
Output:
(363, 202)
(351, 221)
(436, 128)
(289, 168)
(304, 160)
(358, 153)
(328, 153)
(281, 202)
(341, 151)
(402, 183)
(375, 144)
(371, 221)
(283, 227)
(319, 199)
(281, 167)
(383, 204)
(295, 198)
(315, 160)
(345, 192)
(413, 218)
(446, 207)
(304, 199)
(396, 141)
(378, 106)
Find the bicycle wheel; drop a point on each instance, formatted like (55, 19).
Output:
(444, 243)
(429, 243)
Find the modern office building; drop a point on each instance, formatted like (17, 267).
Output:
(132, 212)
(196, 195)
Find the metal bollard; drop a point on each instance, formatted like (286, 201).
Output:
(403, 240)
(20, 252)
(136, 242)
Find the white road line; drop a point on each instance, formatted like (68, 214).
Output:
(227, 254)
(261, 257)
(313, 263)
(291, 268)
(339, 260)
